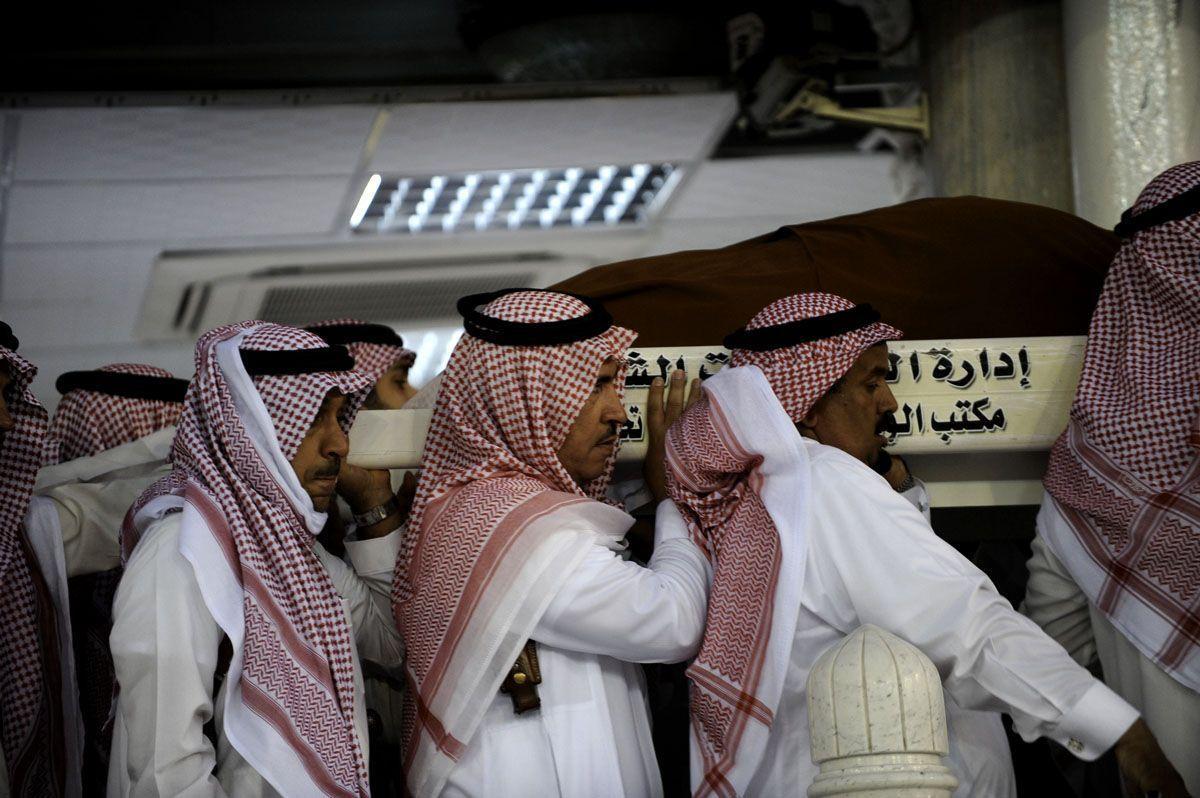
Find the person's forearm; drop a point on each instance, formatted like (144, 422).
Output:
(364, 581)
(639, 614)
(633, 613)
(990, 656)
(1055, 603)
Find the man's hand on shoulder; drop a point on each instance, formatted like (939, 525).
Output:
(1144, 767)
(659, 419)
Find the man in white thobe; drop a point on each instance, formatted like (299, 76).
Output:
(379, 353)
(1115, 571)
(772, 468)
(229, 611)
(522, 621)
(109, 436)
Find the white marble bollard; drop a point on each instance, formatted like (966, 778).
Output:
(877, 720)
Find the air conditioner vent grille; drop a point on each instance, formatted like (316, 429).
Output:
(380, 301)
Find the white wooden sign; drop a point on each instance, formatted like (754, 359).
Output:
(1009, 394)
(956, 397)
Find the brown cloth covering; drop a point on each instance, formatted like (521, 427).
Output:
(960, 267)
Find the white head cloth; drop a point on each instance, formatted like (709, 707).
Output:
(248, 528)
(489, 540)
(739, 474)
(1126, 473)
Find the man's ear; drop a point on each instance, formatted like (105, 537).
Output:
(808, 424)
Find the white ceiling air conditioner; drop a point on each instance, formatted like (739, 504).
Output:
(457, 198)
(407, 285)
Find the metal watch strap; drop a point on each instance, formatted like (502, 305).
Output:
(909, 482)
(377, 513)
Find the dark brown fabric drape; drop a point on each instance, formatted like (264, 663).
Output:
(961, 267)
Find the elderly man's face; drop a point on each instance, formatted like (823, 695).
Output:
(6, 419)
(318, 461)
(392, 391)
(851, 416)
(592, 437)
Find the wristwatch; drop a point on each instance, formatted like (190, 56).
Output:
(377, 513)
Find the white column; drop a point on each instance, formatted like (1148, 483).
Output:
(1133, 93)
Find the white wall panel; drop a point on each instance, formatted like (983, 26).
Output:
(436, 137)
(53, 361)
(179, 143)
(191, 210)
(75, 272)
(71, 322)
(800, 188)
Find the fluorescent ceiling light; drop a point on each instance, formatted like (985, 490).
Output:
(364, 201)
(517, 199)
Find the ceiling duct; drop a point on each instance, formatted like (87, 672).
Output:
(594, 41)
(190, 292)
(415, 301)
(589, 187)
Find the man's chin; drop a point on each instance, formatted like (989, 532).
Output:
(591, 474)
(321, 501)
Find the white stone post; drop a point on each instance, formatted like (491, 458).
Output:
(877, 720)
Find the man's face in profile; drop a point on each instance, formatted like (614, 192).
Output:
(591, 439)
(318, 460)
(392, 391)
(851, 416)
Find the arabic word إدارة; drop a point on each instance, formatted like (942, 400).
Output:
(984, 365)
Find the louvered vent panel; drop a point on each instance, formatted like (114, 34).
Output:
(380, 301)
(521, 199)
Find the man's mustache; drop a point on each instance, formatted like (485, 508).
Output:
(612, 435)
(331, 469)
(886, 424)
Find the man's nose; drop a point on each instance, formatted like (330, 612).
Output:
(888, 400)
(614, 411)
(336, 444)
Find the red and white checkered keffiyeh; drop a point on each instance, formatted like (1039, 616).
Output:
(291, 680)
(479, 565)
(1126, 473)
(716, 473)
(86, 423)
(31, 719)
(372, 359)
(802, 374)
